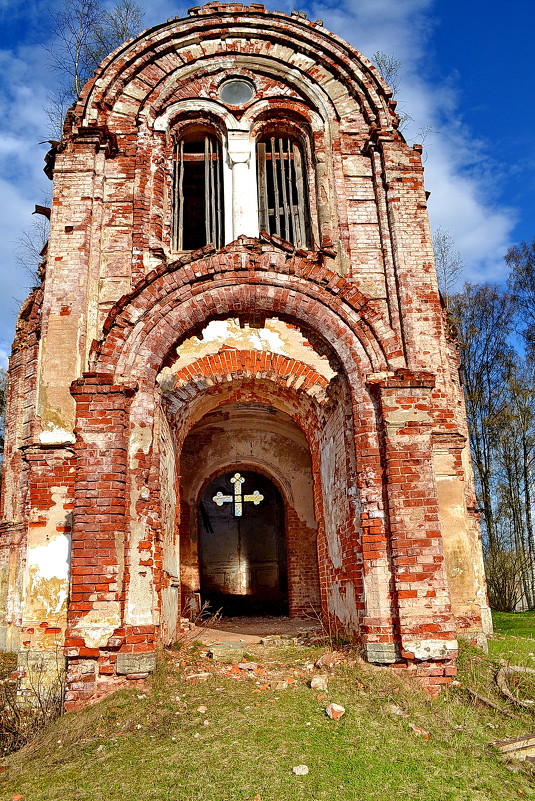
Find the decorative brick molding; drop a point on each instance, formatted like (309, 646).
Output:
(238, 365)
(252, 281)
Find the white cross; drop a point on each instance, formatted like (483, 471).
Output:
(238, 498)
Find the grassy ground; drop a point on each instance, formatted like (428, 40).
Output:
(154, 744)
(514, 637)
(521, 624)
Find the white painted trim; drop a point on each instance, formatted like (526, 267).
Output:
(242, 158)
(161, 123)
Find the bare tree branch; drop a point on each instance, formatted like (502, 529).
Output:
(84, 33)
(30, 245)
(390, 69)
(449, 264)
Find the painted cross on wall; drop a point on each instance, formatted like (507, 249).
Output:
(238, 498)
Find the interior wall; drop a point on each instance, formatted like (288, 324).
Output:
(340, 550)
(242, 545)
(170, 598)
(257, 437)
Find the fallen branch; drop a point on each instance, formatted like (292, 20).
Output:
(501, 681)
(488, 702)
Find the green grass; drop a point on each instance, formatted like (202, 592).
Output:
(157, 748)
(519, 624)
(514, 637)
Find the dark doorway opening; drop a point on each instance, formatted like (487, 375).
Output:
(242, 546)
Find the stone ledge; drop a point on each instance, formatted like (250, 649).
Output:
(128, 664)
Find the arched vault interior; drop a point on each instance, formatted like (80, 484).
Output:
(261, 400)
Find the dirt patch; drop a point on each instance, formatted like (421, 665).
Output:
(253, 629)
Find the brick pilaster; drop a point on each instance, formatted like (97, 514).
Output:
(99, 528)
(425, 621)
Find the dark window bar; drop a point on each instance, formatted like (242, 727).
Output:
(198, 196)
(282, 195)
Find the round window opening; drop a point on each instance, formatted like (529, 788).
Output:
(236, 92)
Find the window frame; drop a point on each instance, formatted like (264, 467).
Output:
(212, 156)
(237, 193)
(282, 196)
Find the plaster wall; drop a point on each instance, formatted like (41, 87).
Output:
(170, 598)
(340, 552)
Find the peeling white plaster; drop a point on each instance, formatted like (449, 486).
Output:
(103, 440)
(396, 418)
(342, 604)
(99, 624)
(55, 435)
(329, 484)
(430, 649)
(52, 599)
(51, 559)
(140, 440)
(275, 337)
(140, 599)
(376, 582)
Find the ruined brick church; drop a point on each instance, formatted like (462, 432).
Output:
(235, 385)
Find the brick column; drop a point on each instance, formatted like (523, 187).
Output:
(99, 531)
(425, 622)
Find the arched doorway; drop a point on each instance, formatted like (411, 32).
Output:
(242, 545)
(265, 560)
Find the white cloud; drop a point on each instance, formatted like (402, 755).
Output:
(23, 94)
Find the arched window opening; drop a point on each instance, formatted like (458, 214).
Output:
(198, 191)
(283, 206)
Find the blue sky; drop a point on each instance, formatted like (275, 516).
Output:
(467, 78)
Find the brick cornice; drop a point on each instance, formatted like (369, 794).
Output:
(102, 383)
(99, 137)
(176, 41)
(402, 379)
(252, 280)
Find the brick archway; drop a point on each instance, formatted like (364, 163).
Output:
(302, 541)
(345, 424)
(285, 386)
(134, 63)
(252, 281)
(234, 366)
